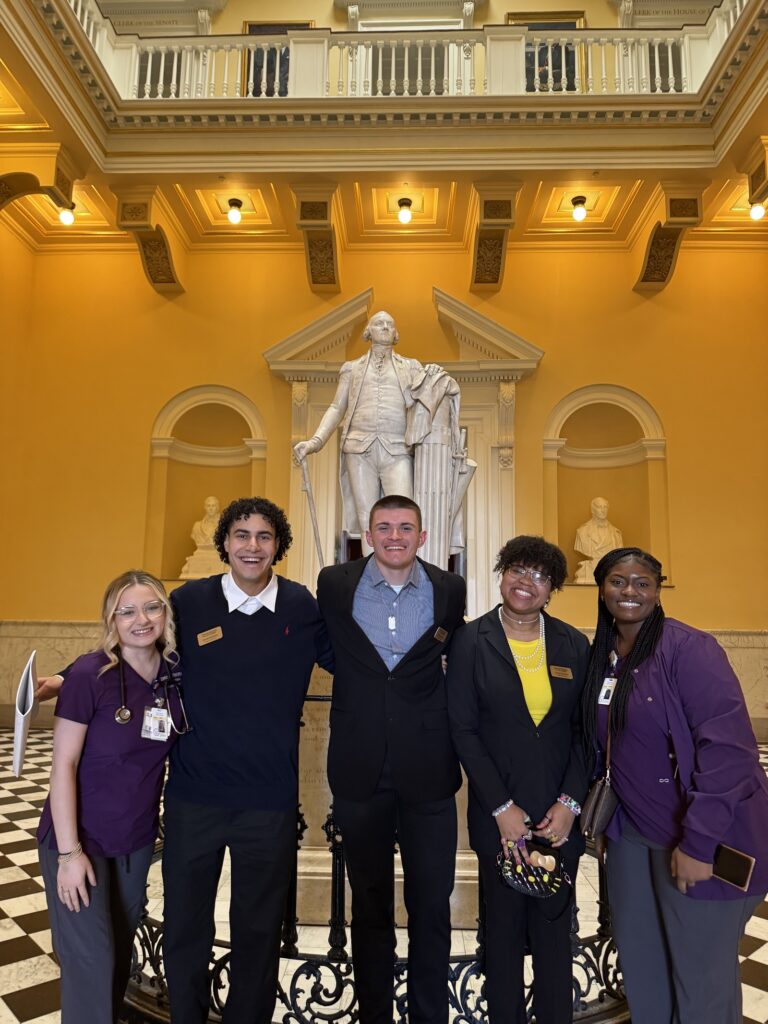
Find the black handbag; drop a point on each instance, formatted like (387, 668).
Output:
(537, 879)
(601, 802)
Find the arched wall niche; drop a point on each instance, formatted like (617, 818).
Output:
(605, 440)
(207, 440)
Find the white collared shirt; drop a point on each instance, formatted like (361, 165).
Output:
(238, 600)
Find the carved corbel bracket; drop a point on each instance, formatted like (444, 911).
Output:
(46, 170)
(136, 213)
(496, 215)
(314, 211)
(683, 209)
(757, 170)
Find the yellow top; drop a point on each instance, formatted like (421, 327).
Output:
(536, 686)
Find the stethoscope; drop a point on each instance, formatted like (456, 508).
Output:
(123, 715)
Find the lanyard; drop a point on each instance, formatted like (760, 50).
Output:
(123, 715)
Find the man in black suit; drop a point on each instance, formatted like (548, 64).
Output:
(391, 765)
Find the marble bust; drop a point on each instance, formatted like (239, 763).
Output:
(399, 423)
(594, 539)
(204, 560)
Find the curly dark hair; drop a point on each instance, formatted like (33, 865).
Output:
(244, 507)
(534, 553)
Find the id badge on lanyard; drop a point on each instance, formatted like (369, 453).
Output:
(606, 691)
(156, 724)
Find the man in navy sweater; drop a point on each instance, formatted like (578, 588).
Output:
(248, 641)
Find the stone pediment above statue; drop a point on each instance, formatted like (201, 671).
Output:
(488, 352)
(478, 394)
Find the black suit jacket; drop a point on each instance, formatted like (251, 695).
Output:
(400, 714)
(504, 754)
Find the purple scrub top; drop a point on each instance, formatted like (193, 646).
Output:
(120, 775)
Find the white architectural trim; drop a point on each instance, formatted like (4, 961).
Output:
(503, 349)
(200, 455)
(206, 394)
(607, 458)
(604, 394)
(297, 356)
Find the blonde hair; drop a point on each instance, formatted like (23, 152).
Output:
(108, 641)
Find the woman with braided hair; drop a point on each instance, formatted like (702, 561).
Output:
(684, 765)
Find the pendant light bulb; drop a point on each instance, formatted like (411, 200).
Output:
(757, 211)
(579, 207)
(67, 216)
(404, 214)
(234, 216)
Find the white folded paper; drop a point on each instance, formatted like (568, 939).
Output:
(26, 711)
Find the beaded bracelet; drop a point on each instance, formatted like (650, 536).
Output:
(504, 807)
(65, 858)
(570, 803)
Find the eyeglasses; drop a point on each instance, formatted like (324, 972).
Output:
(537, 577)
(152, 610)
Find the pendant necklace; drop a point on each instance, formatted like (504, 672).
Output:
(525, 662)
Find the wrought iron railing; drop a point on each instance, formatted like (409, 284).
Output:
(320, 988)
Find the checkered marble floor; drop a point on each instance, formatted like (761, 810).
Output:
(29, 985)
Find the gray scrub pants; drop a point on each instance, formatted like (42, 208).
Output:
(679, 956)
(94, 946)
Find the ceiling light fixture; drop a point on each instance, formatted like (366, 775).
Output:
(579, 207)
(234, 216)
(67, 216)
(757, 211)
(404, 214)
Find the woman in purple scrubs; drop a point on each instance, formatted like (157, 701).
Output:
(685, 767)
(116, 717)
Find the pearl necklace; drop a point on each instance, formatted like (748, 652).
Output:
(523, 662)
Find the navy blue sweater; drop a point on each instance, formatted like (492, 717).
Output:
(244, 694)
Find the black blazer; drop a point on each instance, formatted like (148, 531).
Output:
(504, 754)
(401, 714)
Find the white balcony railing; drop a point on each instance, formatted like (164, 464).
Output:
(493, 61)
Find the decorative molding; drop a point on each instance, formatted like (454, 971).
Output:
(207, 394)
(313, 219)
(660, 257)
(322, 260)
(312, 211)
(756, 169)
(488, 264)
(488, 337)
(46, 170)
(202, 455)
(507, 394)
(295, 357)
(597, 394)
(157, 260)
(645, 450)
(683, 204)
(496, 206)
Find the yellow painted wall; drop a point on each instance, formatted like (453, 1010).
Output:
(598, 13)
(103, 353)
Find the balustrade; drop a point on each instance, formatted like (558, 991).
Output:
(493, 61)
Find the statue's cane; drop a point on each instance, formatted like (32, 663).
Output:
(306, 486)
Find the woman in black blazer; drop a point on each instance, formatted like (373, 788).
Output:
(515, 677)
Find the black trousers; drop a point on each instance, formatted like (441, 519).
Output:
(514, 921)
(261, 848)
(426, 834)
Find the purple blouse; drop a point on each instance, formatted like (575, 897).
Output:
(686, 768)
(120, 775)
